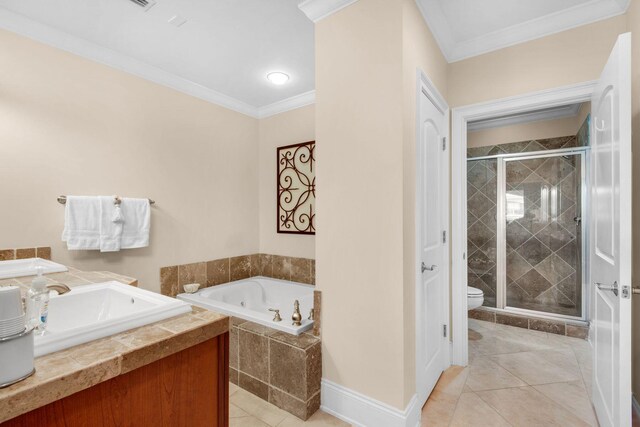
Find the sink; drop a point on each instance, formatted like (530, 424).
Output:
(27, 267)
(96, 311)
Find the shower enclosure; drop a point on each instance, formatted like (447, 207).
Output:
(526, 240)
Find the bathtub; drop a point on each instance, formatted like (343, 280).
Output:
(251, 299)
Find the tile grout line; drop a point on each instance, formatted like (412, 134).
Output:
(492, 407)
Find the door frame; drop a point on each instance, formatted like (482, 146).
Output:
(576, 93)
(425, 86)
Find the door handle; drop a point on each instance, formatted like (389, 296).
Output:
(425, 268)
(613, 288)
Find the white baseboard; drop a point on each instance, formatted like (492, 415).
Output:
(363, 411)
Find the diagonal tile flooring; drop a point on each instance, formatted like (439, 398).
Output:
(515, 377)
(247, 410)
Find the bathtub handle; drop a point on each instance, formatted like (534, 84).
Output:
(277, 317)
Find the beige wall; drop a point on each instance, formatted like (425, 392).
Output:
(573, 56)
(287, 128)
(420, 51)
(529, 131)
(365, 121)
(359, 251)
(72, 126)
(633, 19)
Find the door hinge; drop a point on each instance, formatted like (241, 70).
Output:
(444, 331)
(444, 143)
(444, 236)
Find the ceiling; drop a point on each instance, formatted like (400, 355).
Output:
(466, 28)
(222, 52)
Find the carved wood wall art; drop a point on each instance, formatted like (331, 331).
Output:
(296, 188)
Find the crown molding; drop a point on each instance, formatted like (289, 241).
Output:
(320, 9)
(587, 13)
(288, 104)
(24, 26)
(560, 112)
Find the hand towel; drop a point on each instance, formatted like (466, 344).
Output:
(137, 223)
(111, 225)
(82, 223)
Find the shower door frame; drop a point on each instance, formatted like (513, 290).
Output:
(501, 234)
(460, 117)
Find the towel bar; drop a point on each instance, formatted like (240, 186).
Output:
(63, 199)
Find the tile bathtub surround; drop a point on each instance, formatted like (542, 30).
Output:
(22, 253)
(556, 327)
(282, 369)
(317, 308)
(225, 270)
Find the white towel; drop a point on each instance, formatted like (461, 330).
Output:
(82, 223)
(111, 225)
(137, 223)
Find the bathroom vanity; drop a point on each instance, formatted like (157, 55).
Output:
(171, 372)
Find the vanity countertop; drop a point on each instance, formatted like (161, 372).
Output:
(69, 371)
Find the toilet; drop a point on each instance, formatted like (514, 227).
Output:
(475, 298)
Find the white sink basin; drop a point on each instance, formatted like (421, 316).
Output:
(27, 267)
(95, 311)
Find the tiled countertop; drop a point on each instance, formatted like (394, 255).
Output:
(69, 371)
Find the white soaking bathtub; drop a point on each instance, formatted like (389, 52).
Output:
(251, 299)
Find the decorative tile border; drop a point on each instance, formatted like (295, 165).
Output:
(22, 253)
(557, 327)
(280, 368)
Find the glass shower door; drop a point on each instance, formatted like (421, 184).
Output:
(543, 233)
(482, 228)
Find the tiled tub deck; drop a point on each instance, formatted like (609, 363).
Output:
(281, 368)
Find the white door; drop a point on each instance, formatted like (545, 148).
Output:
(610, 249)
(432, 284)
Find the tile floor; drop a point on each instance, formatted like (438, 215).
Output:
(247, 410)
(515, 377)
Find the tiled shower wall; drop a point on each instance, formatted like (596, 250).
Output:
(543, 253)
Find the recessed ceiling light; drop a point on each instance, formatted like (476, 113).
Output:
(278, 78)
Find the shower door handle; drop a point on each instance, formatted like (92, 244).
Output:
(613, 288)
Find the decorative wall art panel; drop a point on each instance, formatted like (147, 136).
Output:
(296, 188)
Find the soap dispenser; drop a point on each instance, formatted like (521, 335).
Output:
(38, 303)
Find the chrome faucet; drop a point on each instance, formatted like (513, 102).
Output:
(60, 288)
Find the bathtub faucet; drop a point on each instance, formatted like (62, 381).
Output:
(277, 317)
(296, 317)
